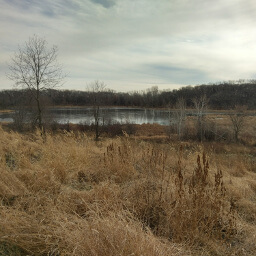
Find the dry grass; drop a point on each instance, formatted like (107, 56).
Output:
(71, 195)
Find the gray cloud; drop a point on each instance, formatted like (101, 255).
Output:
(177, 74)
(137, 43)
(105, 3)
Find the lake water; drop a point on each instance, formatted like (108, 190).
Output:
(109, 115)
(84, 115)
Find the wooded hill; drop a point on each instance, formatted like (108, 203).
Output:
(224, 95)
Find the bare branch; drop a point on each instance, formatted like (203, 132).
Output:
(237, 118)
(35, 67)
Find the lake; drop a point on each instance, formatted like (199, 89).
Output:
(85, 115)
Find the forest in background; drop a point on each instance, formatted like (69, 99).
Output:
(223, 95)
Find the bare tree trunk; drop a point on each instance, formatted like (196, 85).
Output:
(237, 119)
(180, 116)
(39, 114)
(96, 118)
(35, 67)
(96, 89)
(200, 106)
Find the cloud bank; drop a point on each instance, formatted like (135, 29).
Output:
(132, 45)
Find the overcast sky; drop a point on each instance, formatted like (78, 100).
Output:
(136, 44)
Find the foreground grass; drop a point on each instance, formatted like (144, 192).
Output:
(73, 196)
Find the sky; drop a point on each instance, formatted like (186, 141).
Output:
(132, 45)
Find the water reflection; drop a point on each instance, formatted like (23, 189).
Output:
(78, 115)
(111, 115)
(85, 115)
(6, 117)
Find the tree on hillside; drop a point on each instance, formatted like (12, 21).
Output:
(35, 67)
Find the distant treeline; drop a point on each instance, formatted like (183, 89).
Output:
(224, 95)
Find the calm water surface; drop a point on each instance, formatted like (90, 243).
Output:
(111, 115)
(6, 117)
(85, 115)
(108, 115)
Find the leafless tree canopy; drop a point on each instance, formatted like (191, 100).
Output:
(180, 115)
(237, 117)
(95, 88)
(200, 104)
(35, 66)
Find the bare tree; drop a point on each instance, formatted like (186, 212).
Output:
(96, 88)
(200, 104)
(237, 118)
(35, 67)
(152, 96)
(180, 116)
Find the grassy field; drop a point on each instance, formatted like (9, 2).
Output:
(70, 195)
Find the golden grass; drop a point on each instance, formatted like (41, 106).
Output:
(71, 195)
(6, 110)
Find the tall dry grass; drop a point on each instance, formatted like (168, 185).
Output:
(70, 195)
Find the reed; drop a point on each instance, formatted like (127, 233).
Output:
(70, 195)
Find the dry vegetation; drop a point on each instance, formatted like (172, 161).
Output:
(70, 195)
